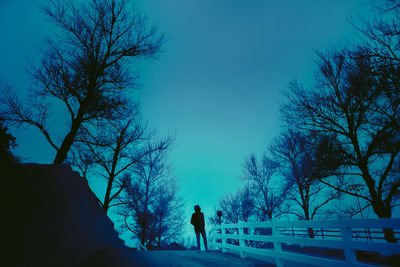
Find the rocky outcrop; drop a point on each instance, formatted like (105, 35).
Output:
(50, 217)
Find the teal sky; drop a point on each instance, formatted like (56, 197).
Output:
(217, 85)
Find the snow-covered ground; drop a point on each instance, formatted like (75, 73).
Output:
(171, 258)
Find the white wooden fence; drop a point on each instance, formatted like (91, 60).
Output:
(275, 238)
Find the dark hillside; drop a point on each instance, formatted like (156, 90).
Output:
(49, 217)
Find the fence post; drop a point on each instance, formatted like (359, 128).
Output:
(277, 245)
(211, 239)
(241, 239)
(223, 238)
(349, 253)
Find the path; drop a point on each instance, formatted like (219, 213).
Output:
(171, 258)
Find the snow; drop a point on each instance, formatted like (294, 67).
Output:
(181, 258)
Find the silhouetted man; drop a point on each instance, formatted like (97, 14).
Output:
(198, 223)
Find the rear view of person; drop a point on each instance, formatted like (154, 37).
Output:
(198, 223)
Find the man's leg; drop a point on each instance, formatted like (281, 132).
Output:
(203, 234)
(198, 239)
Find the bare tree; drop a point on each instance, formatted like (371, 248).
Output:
(152, 210)
(298, 158)
(357, 98)
(168, 214)
(269, 192)
(86, 68)
(113, 151)
(235, 207)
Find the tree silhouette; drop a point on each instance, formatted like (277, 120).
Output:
(152, 210)
(235, 207)
(356, 98)
(299, 163)
(7, 142)
(268, 192)
(86, 68)
(113, 150)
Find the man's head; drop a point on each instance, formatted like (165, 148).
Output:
(197, 208)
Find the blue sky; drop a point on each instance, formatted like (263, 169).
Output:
(217, 84)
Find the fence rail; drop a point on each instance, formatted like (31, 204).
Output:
(277, 238)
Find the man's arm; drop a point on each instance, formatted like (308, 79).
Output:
(203, 225)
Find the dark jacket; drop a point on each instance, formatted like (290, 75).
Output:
(198, 221)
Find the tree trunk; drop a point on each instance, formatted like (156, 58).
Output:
(307, 217)
(113, 168)
(381, 209)
(106, 204)
(69, 139)
(310, 232)
(384, 211)
(389, 235)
